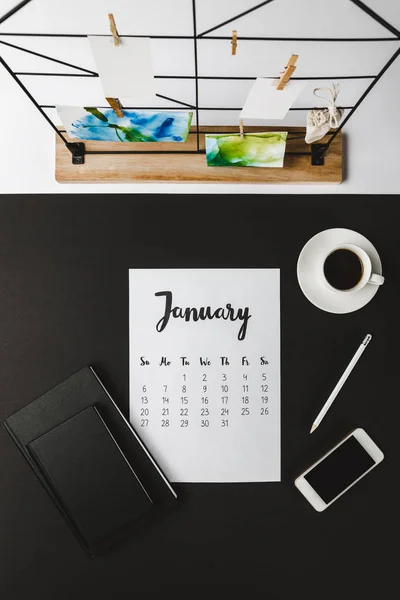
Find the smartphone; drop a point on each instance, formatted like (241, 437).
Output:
(336, 472)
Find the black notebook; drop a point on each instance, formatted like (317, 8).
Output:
(92, 463)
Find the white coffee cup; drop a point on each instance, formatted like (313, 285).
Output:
(367, 276)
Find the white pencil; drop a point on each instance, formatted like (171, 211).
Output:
(341, 381)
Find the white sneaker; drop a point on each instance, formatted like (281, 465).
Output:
(321, 120)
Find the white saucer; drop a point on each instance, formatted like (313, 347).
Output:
(311, 282)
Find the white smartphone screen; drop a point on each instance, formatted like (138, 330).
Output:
(340, 469)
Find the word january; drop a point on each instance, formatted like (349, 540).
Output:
(203, 313)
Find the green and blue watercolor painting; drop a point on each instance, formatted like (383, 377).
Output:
(254, 150)
(86, 123)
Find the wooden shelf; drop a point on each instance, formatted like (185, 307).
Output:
(192, 168)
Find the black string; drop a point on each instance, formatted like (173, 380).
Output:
(365, 94)
(173, 108)
(173, 100)
(208, 77)
(34, 74)
(14, 10)
(271, 77)
(199, 151)
(85, 35)
(209, 37)
(212, 131)
(185, 106)
(246, 12)
(298, 39)
(376, 17)
(32, 99)
(196, 71)
(60, 62)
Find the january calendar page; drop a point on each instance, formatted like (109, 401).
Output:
(205, 371)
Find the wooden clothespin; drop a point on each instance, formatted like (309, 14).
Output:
(114, 30)
(116, 106)
(234, 41)
(114, 102)
(241, 129)
(287, 72)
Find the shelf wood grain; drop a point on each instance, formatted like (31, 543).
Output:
(192, 168)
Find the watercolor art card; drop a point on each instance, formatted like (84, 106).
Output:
(266, 149)
(87, 123)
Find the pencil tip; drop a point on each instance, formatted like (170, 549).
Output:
(313, 428)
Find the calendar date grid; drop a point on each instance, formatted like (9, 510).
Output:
(205, 393)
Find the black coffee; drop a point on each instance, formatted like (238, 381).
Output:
(343, 269)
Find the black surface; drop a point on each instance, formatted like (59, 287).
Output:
(64, 303)
(36, 426)
(340, 469)
(91, 476)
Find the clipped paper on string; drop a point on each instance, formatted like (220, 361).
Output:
(266, 102)
(125, 71)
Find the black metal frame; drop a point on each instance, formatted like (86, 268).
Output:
(77, 149)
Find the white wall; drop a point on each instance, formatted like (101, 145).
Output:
(27, 141)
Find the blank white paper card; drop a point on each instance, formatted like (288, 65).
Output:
(125, 71)
(266, 102)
